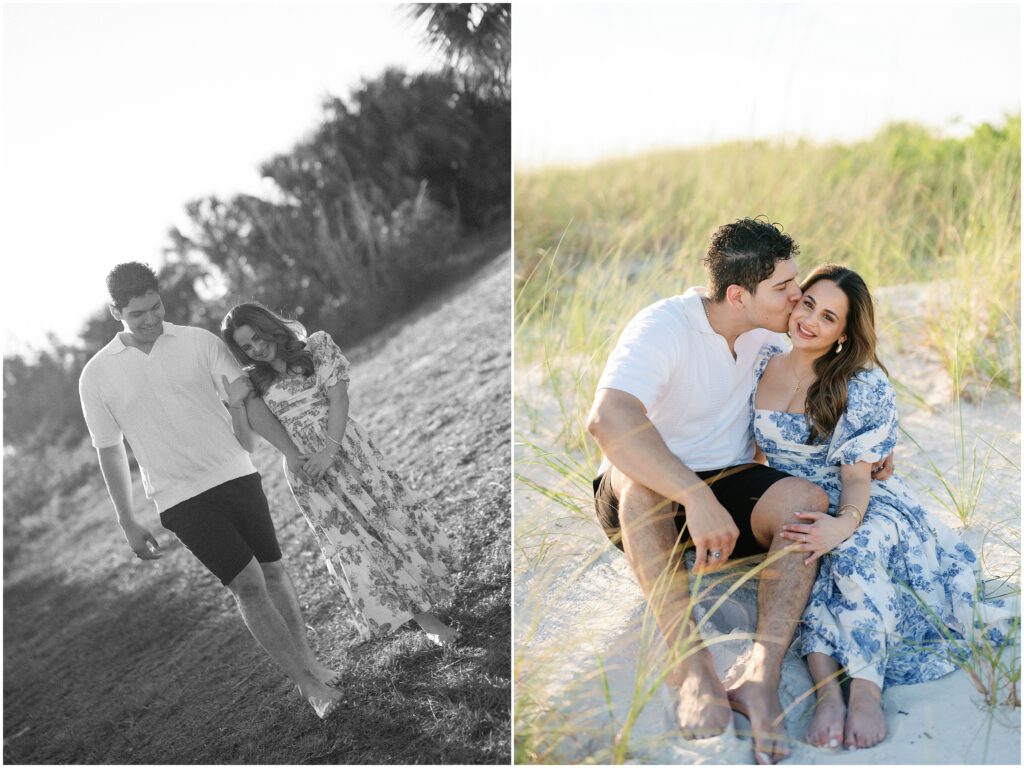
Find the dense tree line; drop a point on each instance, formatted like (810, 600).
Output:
(365, 220)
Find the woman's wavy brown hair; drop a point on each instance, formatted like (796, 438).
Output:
(289, 335)
(826, 397)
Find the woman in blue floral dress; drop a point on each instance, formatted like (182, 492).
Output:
(896, 592)
(382, 548)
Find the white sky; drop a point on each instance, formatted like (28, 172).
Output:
(593, 80)
(115, 116)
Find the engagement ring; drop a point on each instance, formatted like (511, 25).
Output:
(716, 554)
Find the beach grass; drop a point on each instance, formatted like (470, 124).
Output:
(595, 244)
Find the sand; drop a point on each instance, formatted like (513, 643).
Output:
(577, 602)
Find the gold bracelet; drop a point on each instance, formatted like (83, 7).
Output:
(857, 516)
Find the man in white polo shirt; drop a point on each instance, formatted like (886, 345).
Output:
(154, 384)
(672, 417)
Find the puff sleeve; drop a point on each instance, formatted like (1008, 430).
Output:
(868, 429)
(330, 365)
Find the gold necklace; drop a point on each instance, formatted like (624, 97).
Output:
(796, 387)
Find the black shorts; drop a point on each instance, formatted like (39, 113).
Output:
(738, 489)
(226, 526)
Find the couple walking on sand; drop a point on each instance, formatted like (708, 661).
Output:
(720, 433)
(158, 386)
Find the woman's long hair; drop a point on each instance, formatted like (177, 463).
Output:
(289, 335)
(827, 396)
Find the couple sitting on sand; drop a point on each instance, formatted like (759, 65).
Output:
(720, 434)
(156, 385)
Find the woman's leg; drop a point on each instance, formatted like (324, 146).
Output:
(865, 720)
(826, 728)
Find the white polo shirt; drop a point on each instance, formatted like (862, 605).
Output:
(166, 404)
(696, 394)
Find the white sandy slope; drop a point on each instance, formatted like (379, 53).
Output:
(576, 601)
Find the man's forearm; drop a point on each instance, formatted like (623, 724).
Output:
(267, 426)
(632, 444)
(117, 476)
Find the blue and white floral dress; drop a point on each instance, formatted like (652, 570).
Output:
(894, 602)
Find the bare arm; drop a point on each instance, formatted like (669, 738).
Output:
(337, 419)
(266, 425)
(238, 390)
(856, 490)
(618, 422)
(117, 476)
(759, 456)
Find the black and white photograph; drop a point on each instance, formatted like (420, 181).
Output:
(257, 383)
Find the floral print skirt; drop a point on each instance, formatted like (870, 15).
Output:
(898, 602)
(381, 546)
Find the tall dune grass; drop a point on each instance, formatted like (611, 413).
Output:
(596, 244)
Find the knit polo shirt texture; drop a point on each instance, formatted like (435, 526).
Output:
(168, 407)
(696, 394)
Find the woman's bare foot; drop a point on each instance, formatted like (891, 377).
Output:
(438, 632)
(826, 728)
(703, 709)
(759, 701)
(865, 719)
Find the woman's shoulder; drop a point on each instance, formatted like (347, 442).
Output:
(869, 378)
(869, 388)
(768, 350)
(320, 340)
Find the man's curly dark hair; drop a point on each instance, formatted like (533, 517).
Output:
(128, 280)
(744, 253)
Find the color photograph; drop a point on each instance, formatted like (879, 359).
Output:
(257, 383)
(767, 384)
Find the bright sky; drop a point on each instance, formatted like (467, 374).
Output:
(115, 116)
(593, 80)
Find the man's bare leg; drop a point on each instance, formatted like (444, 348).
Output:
(782, 595)
(826, 728)
(270, 630)
(282, 593)
(649, 537)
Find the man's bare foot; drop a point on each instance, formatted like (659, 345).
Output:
(826, 728)
(327, 676)
(703, 709)
(759, 702)
(865, 720)
(322, 699)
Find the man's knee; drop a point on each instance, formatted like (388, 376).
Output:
(636, 502)
(249, 583)
(274, 571)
